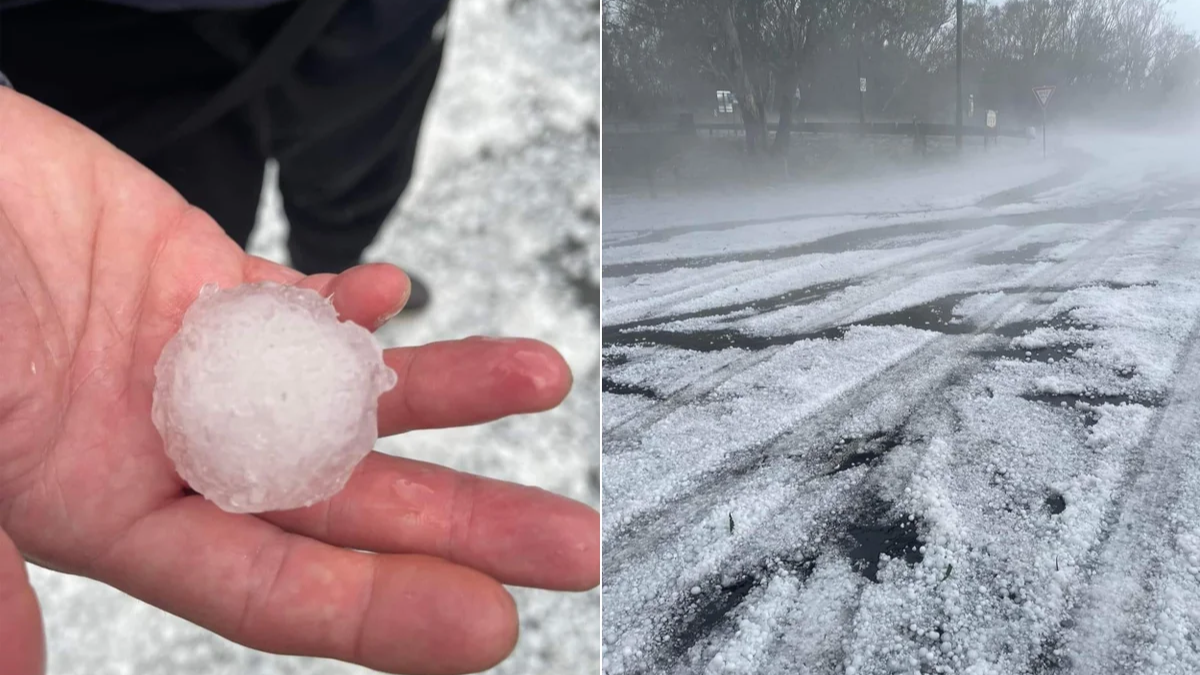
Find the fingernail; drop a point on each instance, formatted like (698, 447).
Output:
(388, 316)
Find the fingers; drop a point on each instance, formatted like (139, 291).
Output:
(521, 536)
(21, 642)
(462, 382)
(444, 384)
(368, 295)
(249, 581)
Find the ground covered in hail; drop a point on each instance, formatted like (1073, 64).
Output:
(942, 422)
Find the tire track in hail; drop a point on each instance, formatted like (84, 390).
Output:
(938, 367)
(648, 533)
(685, 291)
(928, 363)
(617, 435)
(936, 406)
(1136, 517)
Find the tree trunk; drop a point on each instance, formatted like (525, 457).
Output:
(756, 128)
(748, 94)
(787, 98)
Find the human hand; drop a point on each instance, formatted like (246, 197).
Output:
(99, 259)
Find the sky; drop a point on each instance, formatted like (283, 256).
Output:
(1188, 13)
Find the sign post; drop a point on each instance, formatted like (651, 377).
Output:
(1043, 94)
(862, 104)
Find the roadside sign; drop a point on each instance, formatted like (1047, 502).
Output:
(862, 84)
(991, 119)
(1043, 94)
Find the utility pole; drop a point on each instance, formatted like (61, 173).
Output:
(862, 93)
(958, 126)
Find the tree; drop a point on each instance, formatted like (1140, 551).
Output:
(1103, 55)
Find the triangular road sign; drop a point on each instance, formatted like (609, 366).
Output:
(1043, 94)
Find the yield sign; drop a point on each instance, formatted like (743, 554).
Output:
(1043, 94)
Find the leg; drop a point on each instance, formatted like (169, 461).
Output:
(344, 130)
(220, 170)
(132, 76)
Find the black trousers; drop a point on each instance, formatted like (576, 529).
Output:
(341, 115)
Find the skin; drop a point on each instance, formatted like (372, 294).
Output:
(401, 572)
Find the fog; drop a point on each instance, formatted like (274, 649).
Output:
(794, 67)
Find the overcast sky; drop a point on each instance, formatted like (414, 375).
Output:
(1188, 12)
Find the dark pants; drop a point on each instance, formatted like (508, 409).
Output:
(341, 119)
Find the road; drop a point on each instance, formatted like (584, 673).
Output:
(946, 421)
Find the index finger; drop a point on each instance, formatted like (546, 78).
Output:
(462, 382)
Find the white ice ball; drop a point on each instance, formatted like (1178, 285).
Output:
(264, 400)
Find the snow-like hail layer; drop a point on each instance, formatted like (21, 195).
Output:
(265, 400)
(962, 441)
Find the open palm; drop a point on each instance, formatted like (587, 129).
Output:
(401, 571)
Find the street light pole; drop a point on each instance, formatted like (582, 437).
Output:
(958, 128)
(862, 95)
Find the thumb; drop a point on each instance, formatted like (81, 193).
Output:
(22, 649)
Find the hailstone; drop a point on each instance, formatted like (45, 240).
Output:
(265, 400)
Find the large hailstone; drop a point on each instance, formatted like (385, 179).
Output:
(265, 401)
